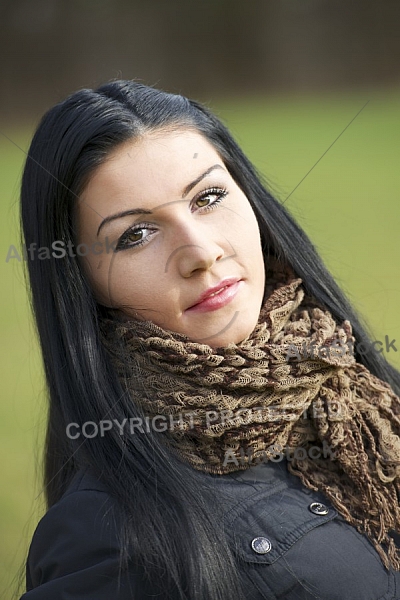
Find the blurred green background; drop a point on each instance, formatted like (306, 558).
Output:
(286, 79)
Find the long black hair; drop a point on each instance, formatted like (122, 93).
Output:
(169, 526)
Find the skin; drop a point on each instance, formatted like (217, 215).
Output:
(201, 230)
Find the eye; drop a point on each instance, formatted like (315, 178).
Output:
(210, 198)
(135, 236)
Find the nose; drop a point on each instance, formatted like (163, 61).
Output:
(197, 250)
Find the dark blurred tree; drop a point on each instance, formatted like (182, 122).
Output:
(197, 47)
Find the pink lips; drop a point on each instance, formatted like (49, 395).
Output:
(218, 296)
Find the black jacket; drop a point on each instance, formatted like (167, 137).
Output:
(289, 542)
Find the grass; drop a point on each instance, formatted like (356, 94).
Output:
(348, 204)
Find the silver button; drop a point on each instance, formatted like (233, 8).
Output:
(261, 545)
(318, 508)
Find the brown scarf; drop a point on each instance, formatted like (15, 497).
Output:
(228, 407)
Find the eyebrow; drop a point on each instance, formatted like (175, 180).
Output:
(144, 211)
(196, 181)
(124, 213)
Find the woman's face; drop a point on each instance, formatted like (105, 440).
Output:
(188, 253)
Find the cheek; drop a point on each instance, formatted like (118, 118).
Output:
(97, 274)
(252, 236)
(116, 283)
(102, 274)
(257, 257)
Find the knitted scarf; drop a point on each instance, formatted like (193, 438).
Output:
(292, 384)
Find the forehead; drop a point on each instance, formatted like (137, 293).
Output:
(167, 158)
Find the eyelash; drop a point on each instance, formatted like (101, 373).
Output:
(221, 193)
(123, 244)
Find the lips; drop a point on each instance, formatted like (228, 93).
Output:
(218, 296)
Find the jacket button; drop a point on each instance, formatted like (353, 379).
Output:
(261, 545)
(318, 508)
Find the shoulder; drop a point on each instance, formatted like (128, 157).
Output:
(75, 549)
(85, 513)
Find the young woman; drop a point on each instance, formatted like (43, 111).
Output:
(213, 432)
